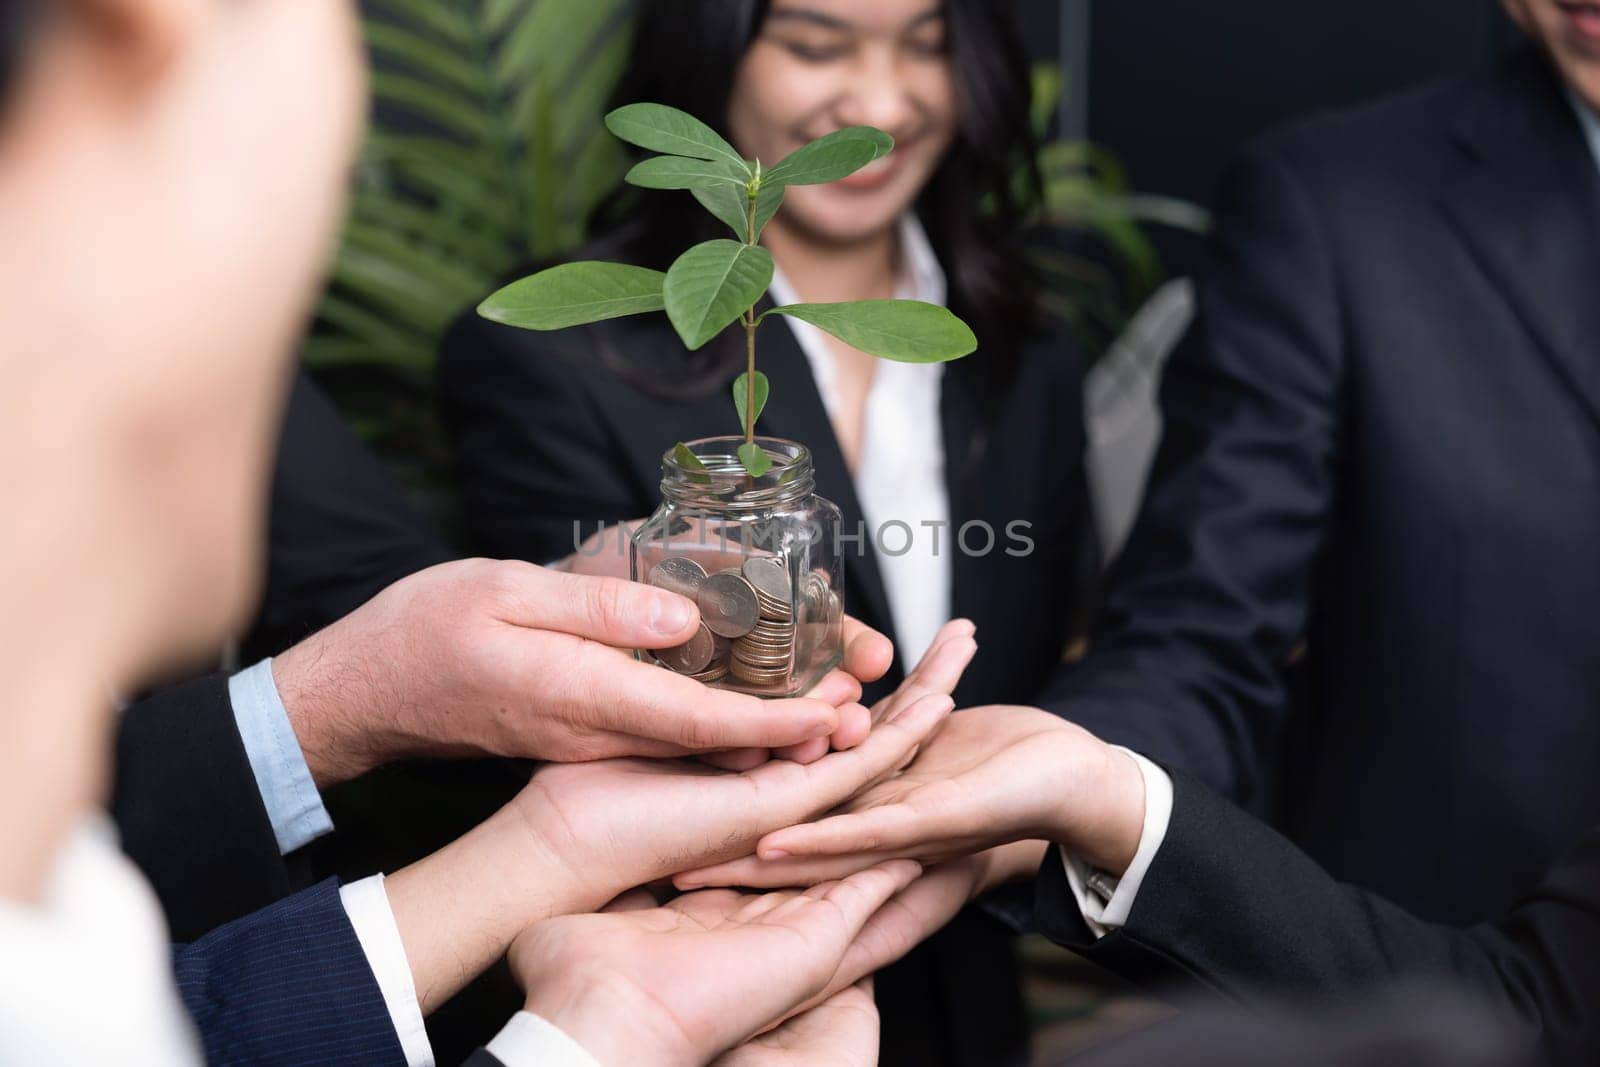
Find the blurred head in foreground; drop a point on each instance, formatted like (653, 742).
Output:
(170, 179)
(1569, 33)
(171, 173)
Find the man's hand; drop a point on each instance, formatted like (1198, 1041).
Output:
(481, 657)
(842, 1031)
(989, 777)
(679, 984)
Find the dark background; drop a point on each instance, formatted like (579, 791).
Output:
(1175, 87)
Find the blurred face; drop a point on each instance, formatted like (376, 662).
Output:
(821, 65)
(1569, 32)
(170, 181)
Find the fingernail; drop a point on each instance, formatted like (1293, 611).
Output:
(669, 615)
(774, 854)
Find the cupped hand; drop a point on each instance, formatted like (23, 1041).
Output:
(480, 657)
(616, 824)
(990, 776)
(680, 984)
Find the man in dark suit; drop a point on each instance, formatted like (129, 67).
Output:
(1381, 480)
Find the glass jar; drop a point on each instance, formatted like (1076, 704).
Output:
(760, 556)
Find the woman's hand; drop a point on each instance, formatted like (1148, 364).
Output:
(990, 776)
(615, 824)
(680, 984)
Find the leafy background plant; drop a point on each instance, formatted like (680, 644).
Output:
(486, 149)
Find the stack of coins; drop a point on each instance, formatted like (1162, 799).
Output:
(747, 626)
(765, 655)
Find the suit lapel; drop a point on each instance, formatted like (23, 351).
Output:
(796, 413)
(964, 412)
(1528, 209)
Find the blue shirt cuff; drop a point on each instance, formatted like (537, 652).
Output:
(293, 804)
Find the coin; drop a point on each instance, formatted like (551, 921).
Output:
(728, 604)
(714, 673)
(678, 574)
(694, 655)
(758, 675)
(768, 577)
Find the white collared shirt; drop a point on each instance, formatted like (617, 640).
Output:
(900, 477)
(86, 976)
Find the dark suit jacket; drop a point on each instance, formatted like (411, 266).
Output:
(1231, 907)
(1383, 438)
(549, 433)
(185, 798)
(288, 985)
(341, 527)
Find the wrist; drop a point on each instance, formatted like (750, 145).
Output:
(1104, 826)
(459, 909)
(608, 1015)
(328, 708)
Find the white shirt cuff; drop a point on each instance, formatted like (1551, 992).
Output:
(293, 804)
(1102, 915)
(530, 1041)
(367, 904)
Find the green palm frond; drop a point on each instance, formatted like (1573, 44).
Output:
(480, 155)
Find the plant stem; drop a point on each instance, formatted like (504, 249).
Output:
(750, 328)
(750, 377)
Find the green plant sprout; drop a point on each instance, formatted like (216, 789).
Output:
(717, 283)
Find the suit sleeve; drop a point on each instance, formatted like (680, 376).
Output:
(1211, 595)
(189, 811)
(1231, 907)
(535, 462)
(341, 526)
(288, 985)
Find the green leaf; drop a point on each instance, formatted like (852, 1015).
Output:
(690, 462)
(768, 200)
(741, 396)
(906, 331)
(827, 159)
(732, 206)
(671, 132)
(711, 285)
(576, 293)
(679, 172)
(755, 460)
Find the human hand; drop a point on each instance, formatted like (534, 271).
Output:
(842, 1031)
(615, 824)
(480, 657)
(867, 657)
(679, 984)
(990, 776)
(922, 909)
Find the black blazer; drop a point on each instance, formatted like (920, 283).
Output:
(1383, 438)
(548, 434)
(1230, 907)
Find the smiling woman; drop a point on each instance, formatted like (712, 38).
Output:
(936, 468)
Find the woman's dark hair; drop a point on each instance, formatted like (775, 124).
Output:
(686, 54)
